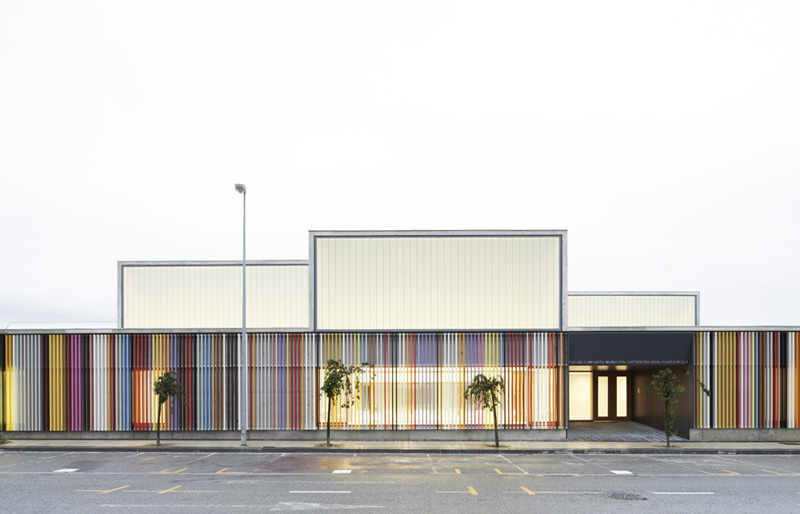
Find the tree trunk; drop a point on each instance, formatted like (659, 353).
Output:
(494, 412)
(329, 421)
(158, 424)
(667, 425)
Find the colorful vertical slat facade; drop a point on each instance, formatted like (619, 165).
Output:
(104, 382)
(420, 379)
(66, 382)
(753, 378)
(793, 380)
(283, 381)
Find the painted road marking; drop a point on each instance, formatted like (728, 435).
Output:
(228, 506)
(532, 493)
(223, 472)
(66, 470)
(682, 492)
(471, 490)
(457, 472)
(320, 492)
(781, 474)
(501, 473)
(168, 472)
(620, 472)
(57, 456)
(318, 506)
(345, 471)
(726, 474)
(175, 490)
(100, 490)
(516, 466)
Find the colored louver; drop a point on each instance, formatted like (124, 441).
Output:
(104, 382)
(753, 378)
(420, 379)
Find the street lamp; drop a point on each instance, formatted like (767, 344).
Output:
(241, 188)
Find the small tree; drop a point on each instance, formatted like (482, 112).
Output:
(486, 392)
(667, 385)
(342, 380)
(166, 387)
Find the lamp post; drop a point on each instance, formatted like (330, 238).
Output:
(241, 188)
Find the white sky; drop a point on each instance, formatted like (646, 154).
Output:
(665, 136)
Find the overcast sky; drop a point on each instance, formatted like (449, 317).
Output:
(665, 136)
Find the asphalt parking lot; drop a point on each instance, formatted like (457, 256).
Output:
(219, 482)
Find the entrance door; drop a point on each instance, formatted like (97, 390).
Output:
(611, 399)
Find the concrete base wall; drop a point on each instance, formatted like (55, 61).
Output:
(311, 435)
(745, 434)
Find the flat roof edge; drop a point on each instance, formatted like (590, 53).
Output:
(90, 331)
(434, 233)
(634, 293)
(695, 328)
(214, 263)
(234, 330)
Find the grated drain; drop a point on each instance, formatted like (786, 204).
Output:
(626, 496)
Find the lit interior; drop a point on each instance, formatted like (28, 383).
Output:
(405, 397)
(580, 396)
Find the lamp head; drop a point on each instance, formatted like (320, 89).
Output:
(241, 188)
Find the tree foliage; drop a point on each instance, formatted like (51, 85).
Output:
(667, 386)
(345, 382)
(165, 387)
(486, 392)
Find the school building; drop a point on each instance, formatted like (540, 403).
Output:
(430, 310)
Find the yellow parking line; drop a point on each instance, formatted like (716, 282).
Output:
(223, 472)
(117, 489)
(782, 474)
(170, 472)
(726, 474)
(458, 472)
(501, 473)
(532, 493)
(171, 489)
(100, 490)
(471, 490)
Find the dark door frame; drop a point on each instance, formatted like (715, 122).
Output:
(612, 395)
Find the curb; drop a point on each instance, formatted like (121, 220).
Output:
(443, 451)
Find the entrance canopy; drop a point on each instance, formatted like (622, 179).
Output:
(630, 348)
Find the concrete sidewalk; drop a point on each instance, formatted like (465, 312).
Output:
(423, 447)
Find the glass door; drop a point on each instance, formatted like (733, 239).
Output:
(611, 398)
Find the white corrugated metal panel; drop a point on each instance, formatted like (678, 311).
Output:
(632, 309)
(59, 325)
(441, 282)
(209, 295)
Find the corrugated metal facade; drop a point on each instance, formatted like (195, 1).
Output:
(632, 310)
(437, 282)
(754, 378)
(209, 295)
(100, 382)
